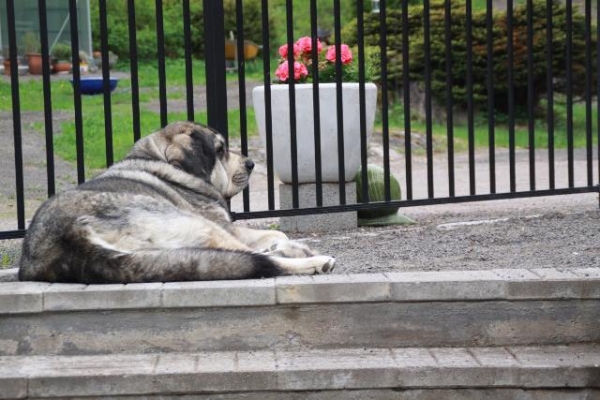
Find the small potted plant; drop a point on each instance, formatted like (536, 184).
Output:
(32, 46)
(7, 64)
(61, 55)
(84, 62)
(112, 59)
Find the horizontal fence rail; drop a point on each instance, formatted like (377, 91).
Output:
(474, 101)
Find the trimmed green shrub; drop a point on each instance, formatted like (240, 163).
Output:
(500, 52)
(145, 12)
(252, 20)
(376, 191)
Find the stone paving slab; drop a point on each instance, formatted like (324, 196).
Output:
(67, 297)
(9, 275)
(518, 284)
(496, 393)
(559, 367)
(301, 326)
(22, 297)
(590, 273)
(334, 289)
(253, 292)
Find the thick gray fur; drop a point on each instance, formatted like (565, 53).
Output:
(109, 228)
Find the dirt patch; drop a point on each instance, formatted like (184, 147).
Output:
(34, 156)
(199, 98)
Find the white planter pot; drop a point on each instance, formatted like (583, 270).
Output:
(280, 111)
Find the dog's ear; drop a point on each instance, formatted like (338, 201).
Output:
(156, 145)
(193, 152)
(190, 147)
(151, 147)
(185, 145)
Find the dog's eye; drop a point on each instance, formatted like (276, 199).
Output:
(220, 151)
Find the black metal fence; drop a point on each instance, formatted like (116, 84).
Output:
(466, 170)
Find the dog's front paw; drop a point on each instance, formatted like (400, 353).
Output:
(289, 249)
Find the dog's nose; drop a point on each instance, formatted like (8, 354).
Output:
(249, 165)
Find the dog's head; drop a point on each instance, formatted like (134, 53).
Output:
(197, 150)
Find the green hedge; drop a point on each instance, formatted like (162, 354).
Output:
(118, 28)
(500, 53)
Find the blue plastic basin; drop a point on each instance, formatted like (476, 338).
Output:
(95, 85)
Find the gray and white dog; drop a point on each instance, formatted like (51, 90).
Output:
(160, 215)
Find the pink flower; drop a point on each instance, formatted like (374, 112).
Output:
(305, 45)
(283, 50)
(283, 73)
(303, 62)
(346, 54)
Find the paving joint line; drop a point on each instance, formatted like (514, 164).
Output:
(536, 274)
(512, 353)
(432, 354)
(472, 354)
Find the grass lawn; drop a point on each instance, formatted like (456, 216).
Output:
(122, 116)
(501, 132)
(122, 121)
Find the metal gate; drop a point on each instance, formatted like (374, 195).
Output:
(465, 170)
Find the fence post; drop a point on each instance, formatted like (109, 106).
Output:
(214, 54)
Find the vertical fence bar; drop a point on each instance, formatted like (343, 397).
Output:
(406, 93)
(216, 83)
(108, 135)
(268, 113)
(428, 110)
(598, 86)
(16, 112)
(316, 101)
(511, 94)
(162, 73)
(569, 83)
(292, 99)
(47, 97)
(530, 95)
(385, 129)
(490, 94)
(133, 70)
(241, 70)
(588, 92)
(449, 96)
(362, 100)
(77, 90)
(339, 97)
(550, 93)
(470, 111)
(189, 76)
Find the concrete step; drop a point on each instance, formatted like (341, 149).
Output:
(412, 309)
(539, 370)
(9, 275)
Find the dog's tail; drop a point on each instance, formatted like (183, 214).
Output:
(104, 265)
(184, 264)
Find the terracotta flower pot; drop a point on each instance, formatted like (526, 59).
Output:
(61, 66)
(7, 67)
(34, 61)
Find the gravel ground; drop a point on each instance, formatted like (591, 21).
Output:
(559, 231)
(542, 232)
(551, 233)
